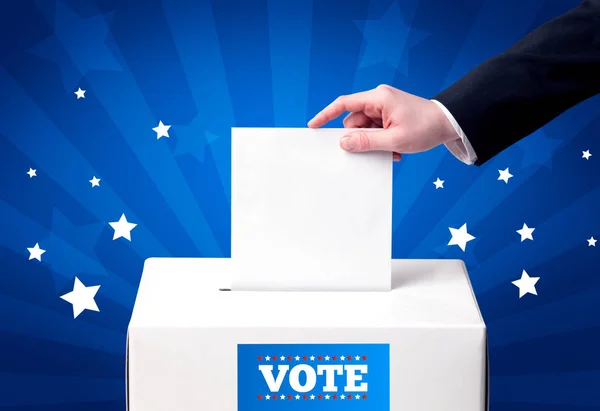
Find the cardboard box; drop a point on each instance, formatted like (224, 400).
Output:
(191, 346)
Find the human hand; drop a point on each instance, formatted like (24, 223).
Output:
(410, 124)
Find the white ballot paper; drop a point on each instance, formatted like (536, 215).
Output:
(307, 215)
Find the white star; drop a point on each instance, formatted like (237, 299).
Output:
(82, 297)
(312, 358)
(526, 233)
(36, 252)
(460, 237)
(282, 397)
(526, 284)
(357, 358)
(312, 397)
(161, 130)
(357, 397)
(267, 358)
(342, 358)
(297, 358)
(592, 242)
(438, 183)
(95, 182)
(342, 397)
(327, 358)
(297, 397)
(504, 175)
(122, 228)
(80, 93)
(31, 172)
(282, 358)
(586, 154)
(267, 397)
(327, 397)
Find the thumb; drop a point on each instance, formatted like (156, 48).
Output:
(359, 141)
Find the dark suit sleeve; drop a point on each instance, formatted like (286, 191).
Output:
(515, 93)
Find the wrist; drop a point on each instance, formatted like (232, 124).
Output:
(447, 129)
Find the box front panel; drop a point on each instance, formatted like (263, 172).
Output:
(417, 369)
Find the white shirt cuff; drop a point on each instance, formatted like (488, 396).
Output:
(462, 148)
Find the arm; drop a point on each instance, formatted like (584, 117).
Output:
(513, 94)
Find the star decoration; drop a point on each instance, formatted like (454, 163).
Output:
(538, 149)
(95, 182)
(526, 284)
(268, 397)
(122, 228)
(297, 397)
(504, 175)
(342, 358)
(297, 358)
(36, 252)
(80, 93)
(161, 130)
(377, 33)
(438, 183)
(526, 233)
(312, 397)
(81, 298)
(32, 172)
(592, 242)
(460, 237)
(267, 358)
(312, 358)
(586, 154)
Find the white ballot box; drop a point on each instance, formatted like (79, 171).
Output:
(193, 346)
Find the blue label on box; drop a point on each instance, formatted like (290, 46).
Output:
(313, 377)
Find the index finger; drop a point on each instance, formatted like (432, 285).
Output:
(353, 102)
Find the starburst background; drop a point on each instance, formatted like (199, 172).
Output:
(205, 66)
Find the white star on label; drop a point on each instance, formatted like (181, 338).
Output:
(80, 93)
(327, 397)
(504, 175)
(312, 397)
(357, 358)
(312, 358)
(297, 397)
(526, 233)
(82, 298)
(438, 183)
(267, 358)
(586, 154)
(297, 358)
(282, 397)
(282, 357)
(327, 358)
(95, 182)
(36, 252)
(592, 242)
(526, 284)
(32, 172)
(161, 130)
(357, 397)
(342, 358)
(268, 397)
(342, 396)
(460, 237)
(122, 228)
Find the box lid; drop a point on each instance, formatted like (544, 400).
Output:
(186, 292)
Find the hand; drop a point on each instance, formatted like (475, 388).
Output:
(410, 124)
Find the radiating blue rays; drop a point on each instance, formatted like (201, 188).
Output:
(40, 140)
(574, 388)
(290, 27)
(194, 32)
(52, 389)
(245, 46)
(59, 326)
(125, 113)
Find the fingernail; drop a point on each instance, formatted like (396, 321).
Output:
(346, 143)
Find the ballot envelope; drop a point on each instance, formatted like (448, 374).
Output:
(291, 326)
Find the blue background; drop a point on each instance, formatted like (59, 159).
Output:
(203, 67)
(251, 383)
